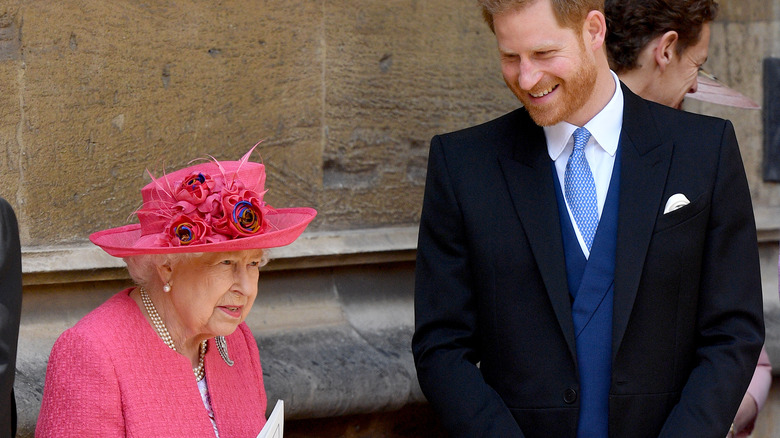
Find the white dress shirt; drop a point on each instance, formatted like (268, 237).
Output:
(600, 151)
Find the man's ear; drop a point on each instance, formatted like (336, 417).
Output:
(666, 49)
(594, 30)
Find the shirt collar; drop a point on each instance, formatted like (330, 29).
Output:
(604, 127)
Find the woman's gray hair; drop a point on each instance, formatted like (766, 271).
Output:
(143, 268)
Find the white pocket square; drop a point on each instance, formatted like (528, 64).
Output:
(676, 201)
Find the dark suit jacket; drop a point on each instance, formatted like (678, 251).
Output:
(494, 342)
(10, 308)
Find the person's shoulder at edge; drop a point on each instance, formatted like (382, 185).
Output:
(5, 205)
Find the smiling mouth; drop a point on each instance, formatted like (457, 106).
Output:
(544, 92)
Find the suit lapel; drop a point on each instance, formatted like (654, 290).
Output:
(528, 174)
(645, 165)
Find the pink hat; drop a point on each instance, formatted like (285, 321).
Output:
(209, 207)
(712, 90)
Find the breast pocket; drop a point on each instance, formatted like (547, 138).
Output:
(682, 214)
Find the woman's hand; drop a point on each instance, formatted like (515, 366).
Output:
(746, 416)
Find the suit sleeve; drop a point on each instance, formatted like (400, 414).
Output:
(730, 320)
(81, 394)
(445, 343)
(10, 309)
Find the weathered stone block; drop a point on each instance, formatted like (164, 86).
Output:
(748, 10)
(111, 88)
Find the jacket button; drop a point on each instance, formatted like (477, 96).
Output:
(569, 396)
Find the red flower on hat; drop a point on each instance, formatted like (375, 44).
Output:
(207, 205)
(211, 209)
(195, 191)
(195, 188)
(186, 230)
(243, 214)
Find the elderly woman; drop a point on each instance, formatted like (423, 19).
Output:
(173, 356)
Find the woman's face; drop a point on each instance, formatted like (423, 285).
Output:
(213, 293)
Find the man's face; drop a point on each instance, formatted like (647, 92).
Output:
(680, 75)
(545, 65)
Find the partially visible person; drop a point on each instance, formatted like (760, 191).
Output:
(173, 356)
(657, 48)
(10, 310)
(754, 398)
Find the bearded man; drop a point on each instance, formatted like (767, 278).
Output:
(587, 264)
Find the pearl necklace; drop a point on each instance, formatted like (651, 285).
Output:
(162, 331)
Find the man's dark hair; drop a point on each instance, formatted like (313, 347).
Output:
(632, 24)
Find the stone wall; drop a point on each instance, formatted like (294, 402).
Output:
(345, 96)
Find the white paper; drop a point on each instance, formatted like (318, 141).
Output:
(274, 427)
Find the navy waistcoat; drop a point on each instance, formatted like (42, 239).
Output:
(591, 285)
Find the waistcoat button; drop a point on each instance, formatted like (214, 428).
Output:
(570, 396)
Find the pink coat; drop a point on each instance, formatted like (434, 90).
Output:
(112, 376)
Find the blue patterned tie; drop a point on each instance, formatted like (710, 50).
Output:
(580, 188)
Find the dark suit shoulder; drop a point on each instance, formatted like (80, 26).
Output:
(497, 128)
(500, 136)
(667, 116)
(643, 117)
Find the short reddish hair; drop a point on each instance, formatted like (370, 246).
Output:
(569, 13)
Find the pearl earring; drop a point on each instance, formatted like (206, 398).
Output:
(167, 287)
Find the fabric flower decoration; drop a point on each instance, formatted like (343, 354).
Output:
(206, 205)
(243, 215)
(193, 191)
(186, 230)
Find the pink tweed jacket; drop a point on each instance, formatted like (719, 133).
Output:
(111, 376)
